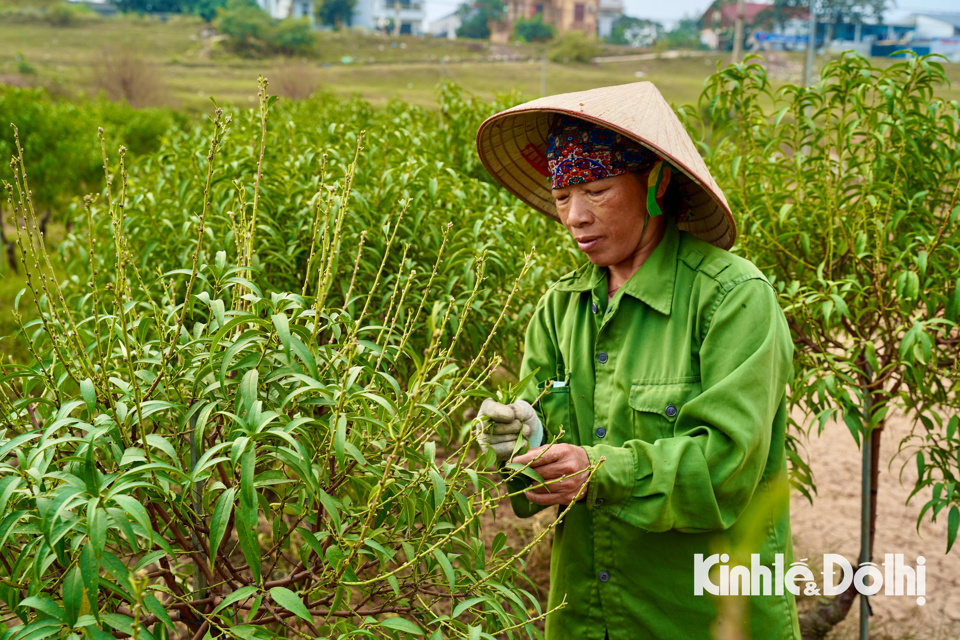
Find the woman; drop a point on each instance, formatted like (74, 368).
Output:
(664, 357)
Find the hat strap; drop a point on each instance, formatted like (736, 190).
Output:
(653, 186)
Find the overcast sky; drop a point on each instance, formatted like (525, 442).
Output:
(670, 12)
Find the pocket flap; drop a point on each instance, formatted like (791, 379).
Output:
(665, 400)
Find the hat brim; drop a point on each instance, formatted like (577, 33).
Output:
(512, 146)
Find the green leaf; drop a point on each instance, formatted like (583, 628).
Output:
(466, 604)
(953, 523)
(220, 520)
(153, 606)
(72, 590)
(97, 527)
(282, 326)
(447, 568)
(439, 487)
(332, 507)
(44, 604)
(90, 571)
(135, 510)
(89, 393)
(402, 624)
(248, 388)
(340, 438)
(291, 602)
(952, 311)
(246, 518)
(240, 594)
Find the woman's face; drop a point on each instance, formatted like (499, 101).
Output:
(605, 216)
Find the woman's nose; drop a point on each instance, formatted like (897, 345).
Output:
(579, 211)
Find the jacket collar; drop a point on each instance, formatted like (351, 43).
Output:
(652, 284)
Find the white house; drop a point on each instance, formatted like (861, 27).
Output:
(607, 13)
(445, 27)
(378, 14)
(930, 26)
(281, 9)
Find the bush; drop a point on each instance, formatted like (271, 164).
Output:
(124, 76)
(202, 450)
(848, 194)
(296, 81)
(61, 14)
(251, 32)
(60, 140)
(573, 46)
(475, 18)
(533, 30)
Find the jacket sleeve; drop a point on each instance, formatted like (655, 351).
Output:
(540, 357)
(704, 476)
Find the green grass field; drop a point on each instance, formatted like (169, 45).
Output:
(193, 66)
(190, 65)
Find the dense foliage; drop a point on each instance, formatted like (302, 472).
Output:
(252, 32)
(848, 195)
(573, 47)
(60, 140)
(533, 29)
(475, 18)
(243, 415)
(336, 13)
(244, 403)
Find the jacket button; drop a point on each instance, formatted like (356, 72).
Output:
(604, 576)
(671, 411)
(601, 432)
(595, 308)
(598, 502)
(602, 357)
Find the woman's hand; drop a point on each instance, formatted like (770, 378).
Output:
(557, 461)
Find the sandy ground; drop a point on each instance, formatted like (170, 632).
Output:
(832, 525)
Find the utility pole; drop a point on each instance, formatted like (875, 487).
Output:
(396, 19)
(543, 74)
(811, 45)
(738, 33)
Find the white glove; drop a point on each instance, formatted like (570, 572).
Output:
(501, 426)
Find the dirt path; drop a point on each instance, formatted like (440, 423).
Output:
(832, 525)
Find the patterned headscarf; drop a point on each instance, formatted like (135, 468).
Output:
(579, 151)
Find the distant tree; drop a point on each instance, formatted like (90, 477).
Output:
(533, 30)
(149, 6)
(336, 12)
(206, 9)
(635, 32)
(253, 33)
(685, 35)
(475, 18)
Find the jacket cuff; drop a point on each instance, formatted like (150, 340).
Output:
(614, 482)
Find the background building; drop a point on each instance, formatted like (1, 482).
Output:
(592, 17)
(281, 9)
(445, 27)
(378, 14)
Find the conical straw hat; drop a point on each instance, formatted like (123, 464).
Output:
(512, 146)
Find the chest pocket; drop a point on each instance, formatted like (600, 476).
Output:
(655, 406)
(556, 411)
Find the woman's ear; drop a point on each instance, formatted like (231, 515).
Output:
(664, 181)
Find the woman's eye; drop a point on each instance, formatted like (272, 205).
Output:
(597, 192)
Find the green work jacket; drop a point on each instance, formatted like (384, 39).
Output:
(678, 384)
